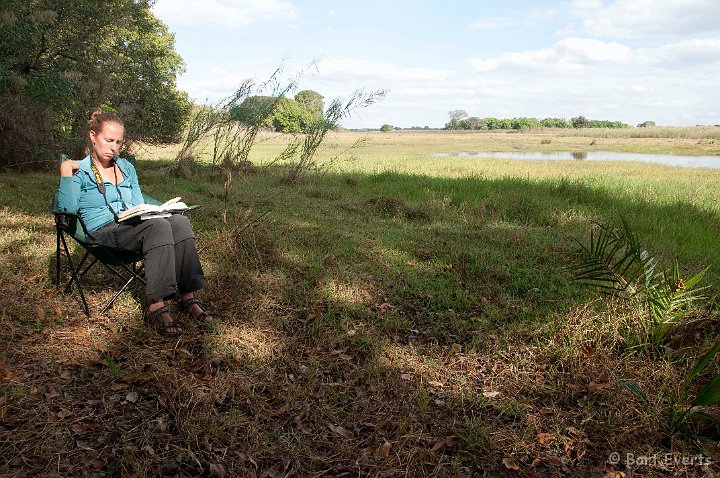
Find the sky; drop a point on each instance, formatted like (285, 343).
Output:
(619, 60)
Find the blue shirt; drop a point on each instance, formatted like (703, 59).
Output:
(79, 194)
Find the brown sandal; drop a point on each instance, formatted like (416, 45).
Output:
(155, 321)
(205, 317)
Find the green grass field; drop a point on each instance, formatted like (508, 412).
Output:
(393, 314)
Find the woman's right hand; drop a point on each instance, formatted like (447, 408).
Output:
(69, 167)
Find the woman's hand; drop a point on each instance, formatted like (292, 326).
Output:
(69, 167)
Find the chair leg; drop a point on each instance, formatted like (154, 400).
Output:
(75, 277)
(134, 275)
(58, 233)
(117, 294)
(80, 275)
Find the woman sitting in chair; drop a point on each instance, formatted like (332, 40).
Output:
(101, 186)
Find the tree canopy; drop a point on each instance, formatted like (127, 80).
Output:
(285, 115)
(60, 58)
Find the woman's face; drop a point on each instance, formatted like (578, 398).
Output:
(107, 142)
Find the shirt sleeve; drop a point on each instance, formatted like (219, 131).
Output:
(69, 193)
(137, 197)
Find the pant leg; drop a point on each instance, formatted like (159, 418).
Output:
(154, 238)
(188, 270)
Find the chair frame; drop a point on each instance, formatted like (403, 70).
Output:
(127, 266)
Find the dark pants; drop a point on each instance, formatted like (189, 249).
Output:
(171, 258)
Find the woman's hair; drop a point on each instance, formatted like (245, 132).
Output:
(98, 118)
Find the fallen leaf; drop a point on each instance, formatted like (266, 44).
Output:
(406, 376)
(588, 351)
(343, 432)
(510, 464)
(51, 393)
(131, 396)
(599, 387)
(278, 470)
(543, 438)
(117, 386)
(83, 426)
(65, 414)
(383, 451)
(84, 444)
(490, 394)
(575, 431)
(555, 461)
(304, 427)
(443, 442)
(384, 307)
(435, 384)
(217, 470)
(437, 446)
(463, 455)
(536, 462)
(5, 375)
(455, 349)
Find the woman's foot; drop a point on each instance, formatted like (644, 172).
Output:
(158, 317)
(199, 311)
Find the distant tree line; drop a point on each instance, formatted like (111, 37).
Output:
(459, 120)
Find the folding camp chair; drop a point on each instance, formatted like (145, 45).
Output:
(128, 266)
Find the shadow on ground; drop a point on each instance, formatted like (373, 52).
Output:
(379, 325)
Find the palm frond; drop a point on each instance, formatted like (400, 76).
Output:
(614, 261)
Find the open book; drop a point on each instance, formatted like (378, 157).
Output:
(149, 211)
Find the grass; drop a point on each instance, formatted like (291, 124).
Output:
(399, 315)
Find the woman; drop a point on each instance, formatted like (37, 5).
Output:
(101, 186)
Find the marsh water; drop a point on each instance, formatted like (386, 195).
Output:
(666, 159)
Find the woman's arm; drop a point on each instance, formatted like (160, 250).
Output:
(69, 189)
(137, 197)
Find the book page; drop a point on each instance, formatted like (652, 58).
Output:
(173, 205)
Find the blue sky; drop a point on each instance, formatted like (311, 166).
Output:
(628, 60)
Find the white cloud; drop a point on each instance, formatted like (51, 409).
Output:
(227, 13)
(569, 54)
(686, 53)
(640, 18)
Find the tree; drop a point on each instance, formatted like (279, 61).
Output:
(60, 58)
(291, 117)
(455, 117)
(311, 100)
(255, 110)
(579, 122)
(555, 123)
(387, 127)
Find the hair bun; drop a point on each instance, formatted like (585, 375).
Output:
(97, 118)
(94, 112)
